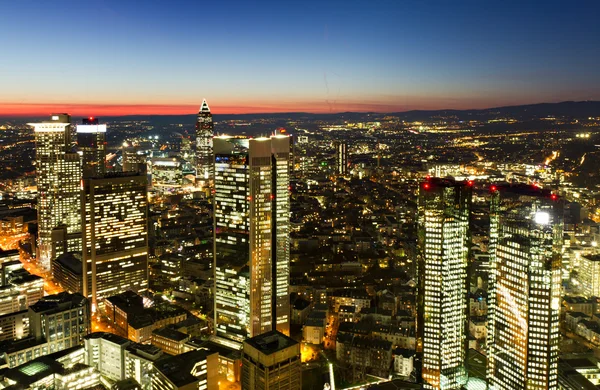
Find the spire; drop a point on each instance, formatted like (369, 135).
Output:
(204, 107)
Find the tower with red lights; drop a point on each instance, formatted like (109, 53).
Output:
(204, 147)
(526, 238)
(91, 144)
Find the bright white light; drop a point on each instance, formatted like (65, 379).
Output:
(542, 217)
(91, 128)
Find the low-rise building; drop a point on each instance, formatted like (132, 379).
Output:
(403, 361)
(170, 340)
(271, 361)
(365, 355)
(139, 363)
(14, 326)
(106, 352)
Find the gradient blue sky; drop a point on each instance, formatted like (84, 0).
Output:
(319, 56)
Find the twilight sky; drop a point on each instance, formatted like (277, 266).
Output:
(106, 57)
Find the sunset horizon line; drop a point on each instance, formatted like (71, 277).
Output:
(24, 110)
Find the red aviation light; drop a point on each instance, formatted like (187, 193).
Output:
(470, 183)
(428, 177)
(553, 196)
(91, 118)
(426, 186)
(493, 188)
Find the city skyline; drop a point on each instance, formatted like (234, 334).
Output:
(311, 57)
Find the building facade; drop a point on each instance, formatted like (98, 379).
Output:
(271, 361)
(443, 228)
(251, 236)
(526, 228)
(115, 239)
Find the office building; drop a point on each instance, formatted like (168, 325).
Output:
(68, 272)
(14, 326)
(58, 171)
(91, 144)
(139, 363)
(271, 361)
(341, 158)
(62, 320)
(526, 229)
(106, 352)
(443, 228)
(167, 174)
(204, 146)
(115, 239)
(251, 213)
(589, 275)
(20, 291)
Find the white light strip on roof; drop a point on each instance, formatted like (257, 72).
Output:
(91, 128)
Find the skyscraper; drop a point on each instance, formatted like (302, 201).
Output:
(526, 225)
(443, 229)
(91, 142)
(204, 147)
(115, 237)
(251, 251)
(271, 361)
(58, 170)
(341, 158)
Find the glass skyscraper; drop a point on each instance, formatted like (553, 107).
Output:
(251, 253)
(443, 229)
(58, 171)
(526, 228)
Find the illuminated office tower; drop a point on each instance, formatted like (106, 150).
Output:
(91, 142)
(443, 229)
(526, 227)
(115, 238)
(251, 214)
(204, 146)
(58, 170)
(341, 158)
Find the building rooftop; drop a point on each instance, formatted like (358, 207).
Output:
(171, 334)
(59, 302)
(178, 369)
(271, 342)
(113, 338)
(71, 261)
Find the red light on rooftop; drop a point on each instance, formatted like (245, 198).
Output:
(553, 197)
(426, 186)
(493, 188)
(428, 177)
(91, 118)
(470, 183)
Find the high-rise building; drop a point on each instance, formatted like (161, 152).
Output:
(91, 142)
(341, 158)
(58, 170)
(134, 159)
(251, 213)
(115, 237)
(204, 147)
(443, 229)
(526, 228)
(271, 361)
